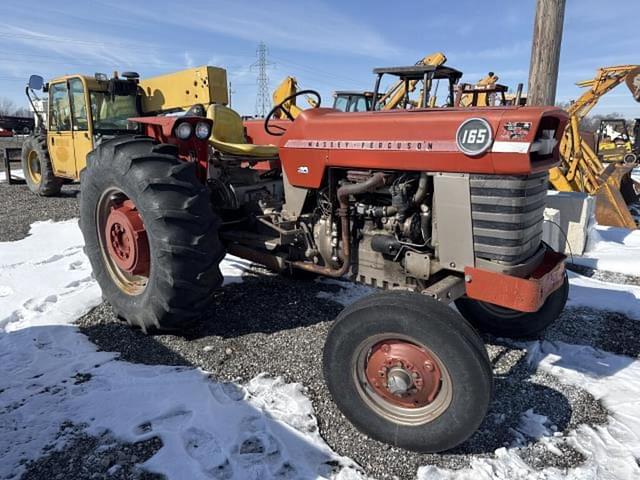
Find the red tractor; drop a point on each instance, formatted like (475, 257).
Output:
(435, 206)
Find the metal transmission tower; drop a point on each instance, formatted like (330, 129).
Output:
(263, 99)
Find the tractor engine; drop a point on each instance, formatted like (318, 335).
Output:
(391, 219)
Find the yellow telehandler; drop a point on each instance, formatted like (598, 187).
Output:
(85, 110)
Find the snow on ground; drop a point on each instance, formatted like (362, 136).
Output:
(50, 373)
(600, 295)
(15, 172)
(612, 249)
(45, 278)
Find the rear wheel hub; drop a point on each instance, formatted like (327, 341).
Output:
(126, 239)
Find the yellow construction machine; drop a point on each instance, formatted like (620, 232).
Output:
(286, 93)
(581, 169)
(397, 95)
(85, 110)
(615, 144)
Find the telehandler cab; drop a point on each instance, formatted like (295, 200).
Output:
(84, 110)
(434, 205)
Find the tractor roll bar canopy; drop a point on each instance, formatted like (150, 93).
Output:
(410, 75)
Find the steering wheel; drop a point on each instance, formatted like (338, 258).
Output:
(287, 113)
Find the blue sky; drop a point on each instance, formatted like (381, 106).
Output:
(327, 45)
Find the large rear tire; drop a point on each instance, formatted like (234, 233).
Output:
(504, 322)
(150, 233)
(37, 167)
(408, 371)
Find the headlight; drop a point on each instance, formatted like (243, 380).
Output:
(183, 131)
(202, 130)
(474, 136)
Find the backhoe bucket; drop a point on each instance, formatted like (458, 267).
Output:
(616, 191)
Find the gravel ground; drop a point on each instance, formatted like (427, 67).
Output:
(20, 208)
(278, 325)
(94, 458)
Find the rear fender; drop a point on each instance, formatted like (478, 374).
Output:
(191, 149)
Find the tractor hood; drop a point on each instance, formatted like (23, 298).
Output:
(489, 140)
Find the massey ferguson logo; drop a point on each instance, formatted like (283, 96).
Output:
(388, 145)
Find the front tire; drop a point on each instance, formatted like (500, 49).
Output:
(150, 233)
(408, 371)
(37, 167)
(504, 322)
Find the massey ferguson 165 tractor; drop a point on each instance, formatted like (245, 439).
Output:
(434, 206)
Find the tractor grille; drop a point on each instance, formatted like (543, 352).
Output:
(507, 214)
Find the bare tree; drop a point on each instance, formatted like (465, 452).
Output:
(23, 112)
(7, 107)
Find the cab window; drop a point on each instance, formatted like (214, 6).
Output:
(341, 104)
(78, 105)
(112, 113)
(60, 108)
(358, 104)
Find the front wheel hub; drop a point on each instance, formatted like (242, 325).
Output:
(126, 239)
(403, 374)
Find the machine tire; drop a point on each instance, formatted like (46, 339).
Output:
(37, 167)
(181, 228)
(433, 327)
(503, 322)
(630, 159)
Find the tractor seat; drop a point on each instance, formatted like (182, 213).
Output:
(228, 136)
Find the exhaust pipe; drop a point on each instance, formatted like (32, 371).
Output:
(375, 182)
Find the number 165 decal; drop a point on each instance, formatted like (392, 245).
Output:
(474, 136)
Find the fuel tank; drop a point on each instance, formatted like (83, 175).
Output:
(487, 140)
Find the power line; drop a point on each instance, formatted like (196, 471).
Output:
(263, 100)
(317, 71)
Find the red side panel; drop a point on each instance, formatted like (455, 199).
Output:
(256, 134)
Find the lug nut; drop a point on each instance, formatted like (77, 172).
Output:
(428, 366)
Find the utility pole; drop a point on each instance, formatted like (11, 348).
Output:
(231, 92)
(545, 52)
(263, 100)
